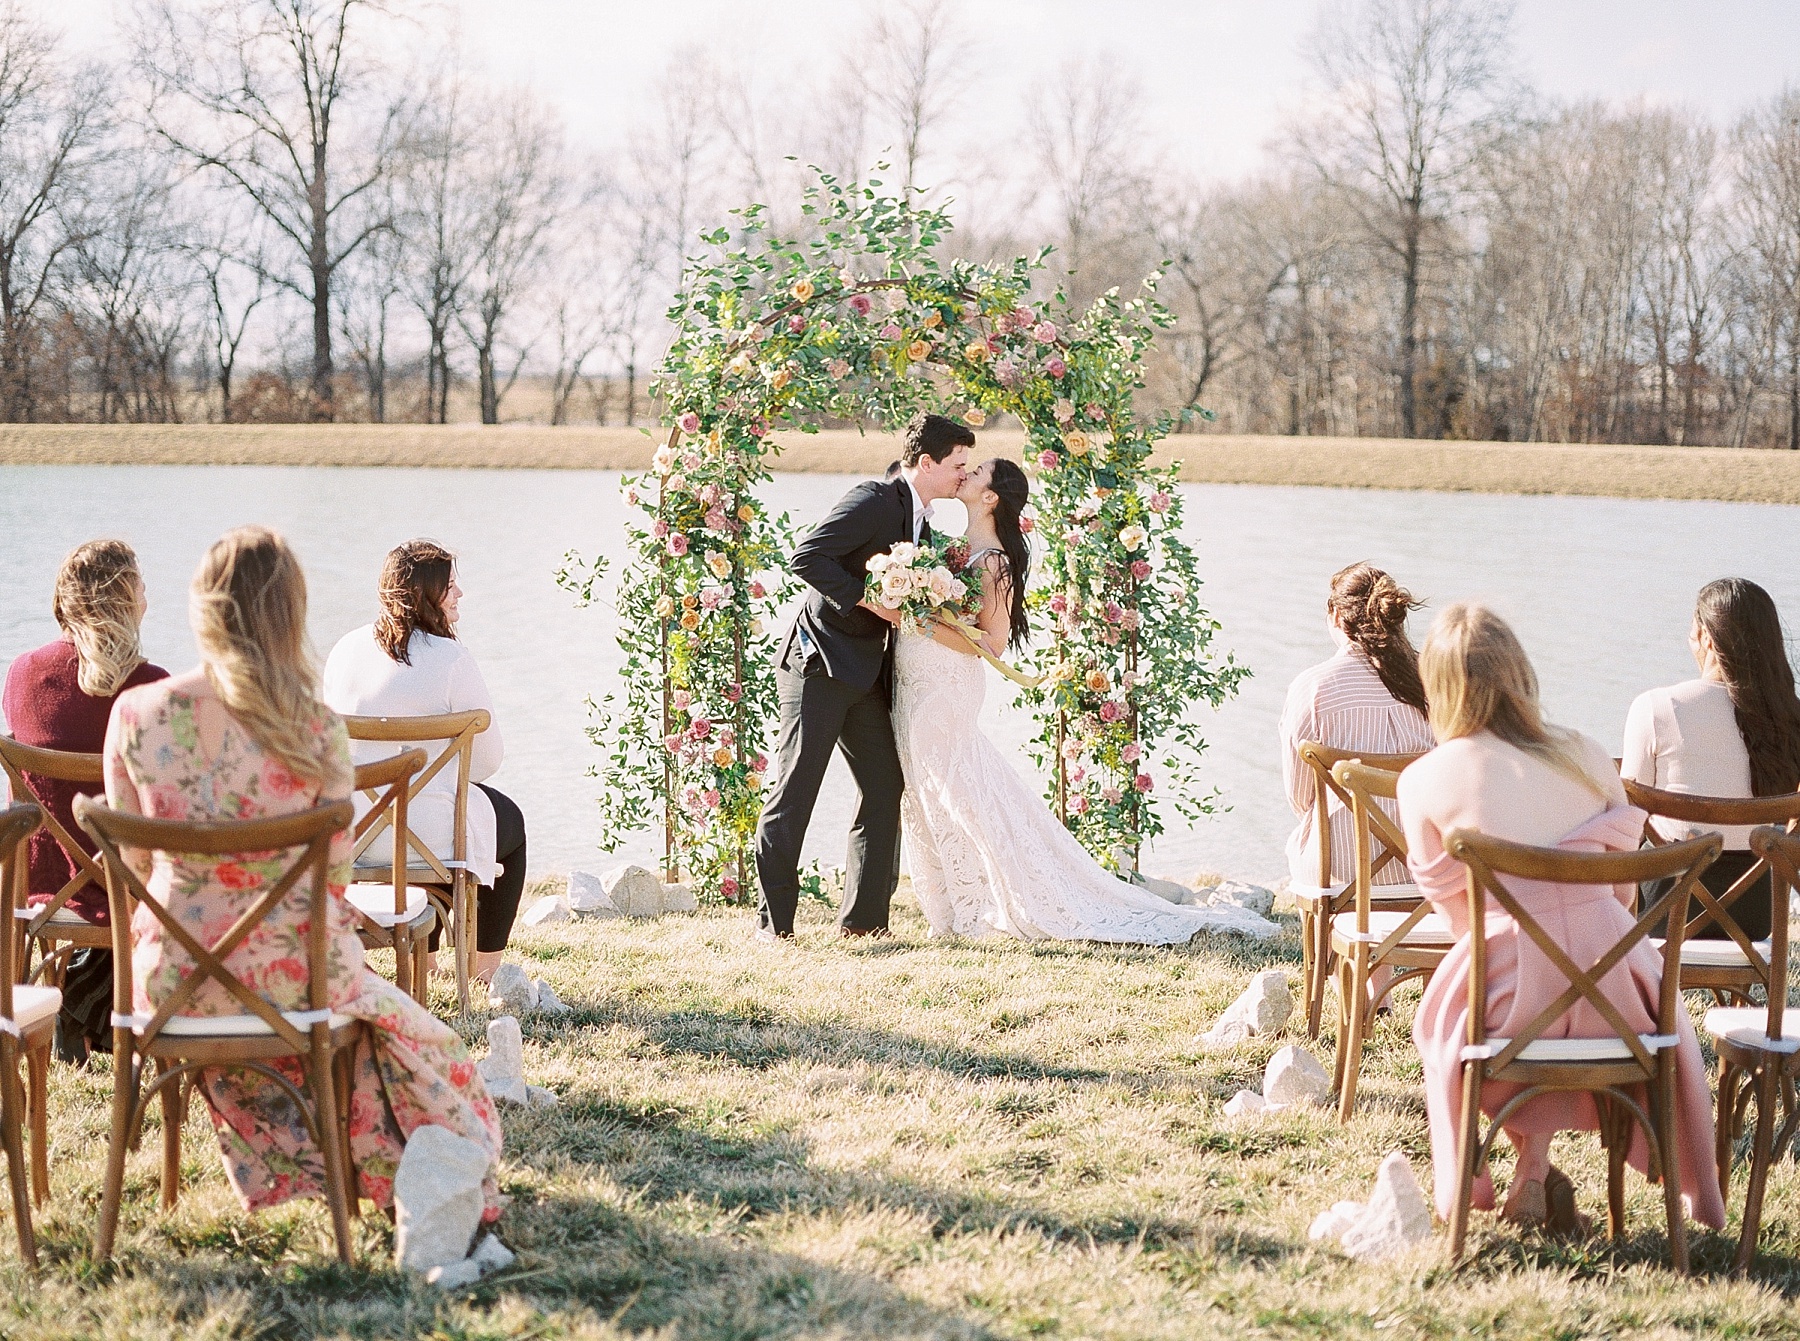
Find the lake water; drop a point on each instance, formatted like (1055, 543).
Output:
(1600, 590)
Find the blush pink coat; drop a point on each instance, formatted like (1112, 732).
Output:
(1586, 921)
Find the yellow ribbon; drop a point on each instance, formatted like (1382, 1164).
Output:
(1018, 677)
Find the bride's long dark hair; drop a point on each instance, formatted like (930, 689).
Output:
(1013, 491)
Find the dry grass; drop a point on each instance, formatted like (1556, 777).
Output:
(1481, 467)
(885, 1140)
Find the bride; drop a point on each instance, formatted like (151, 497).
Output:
(987, 857)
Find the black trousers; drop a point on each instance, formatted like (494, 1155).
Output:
(1752, 909)
(496, 905)
(820, 714)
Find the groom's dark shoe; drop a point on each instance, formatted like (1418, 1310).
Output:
(874, 933)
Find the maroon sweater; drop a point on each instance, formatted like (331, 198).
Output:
(46, 707)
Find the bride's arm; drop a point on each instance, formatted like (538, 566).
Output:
(995, 620)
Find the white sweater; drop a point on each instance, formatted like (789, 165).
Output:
(1685, 738)
(362, 680)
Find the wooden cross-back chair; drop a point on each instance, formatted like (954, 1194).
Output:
(1608, 1067)
(1733, 967)
(448, 880)
(395, 915)
(1759, 1051)
(53, 930)
(1410, 942)
(1319, 904)
(27, 1024)
(180, 1045)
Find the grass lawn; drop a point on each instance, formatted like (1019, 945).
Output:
(895, 1139)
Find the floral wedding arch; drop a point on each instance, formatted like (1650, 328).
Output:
(862, 321)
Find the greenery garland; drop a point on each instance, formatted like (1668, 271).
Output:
(861, 321)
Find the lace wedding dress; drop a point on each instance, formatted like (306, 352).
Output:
(985, 854)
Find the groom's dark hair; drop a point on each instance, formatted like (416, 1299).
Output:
(935, 436)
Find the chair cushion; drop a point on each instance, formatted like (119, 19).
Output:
(1406, 893)
(32, 1005)
(1314, 894)
(1571, 1049)
(1432, 929)
(1747, 1026)
(1715, 954)
(234, 1026)
(65, 916)
(376, 902)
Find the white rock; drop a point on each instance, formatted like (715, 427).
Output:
(679, 899)
(1241, 894)
(492, 1255)
(455, 1275)
(536, 1096)
(547, 910)
(1164, 889)
(1295, 1076)
(1395, 1217)
(512, 988)
(1260, 1011)
(633, 891)
(437, 1198)
(588, 897)
(548, 1002)
(510, 1090)
(1245, 1103)
(506, 1051)
(1331, 1224)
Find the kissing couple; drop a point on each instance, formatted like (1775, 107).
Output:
(986, 855)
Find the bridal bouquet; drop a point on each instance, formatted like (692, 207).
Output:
(926, 583)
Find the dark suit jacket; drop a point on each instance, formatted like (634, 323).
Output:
(852, 644)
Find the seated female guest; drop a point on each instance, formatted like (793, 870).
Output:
(243, 736)
(1503, 771)
(1734, 732)
(58, 698)
(408, 663)
(1366, 697)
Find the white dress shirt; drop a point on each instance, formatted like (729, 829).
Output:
(921, 509)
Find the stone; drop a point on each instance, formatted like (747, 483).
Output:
(548, 1002)
(512, 989)
(510, 1090)
(1333, 1223)
(1245, 1103)
(1260, 1011)
(587, 895)
(1295, 1076)
(547, 910)
(633, 891)
(492, 1255)
(1395, 1217)
(456, 1275)
(437, 1198)
(506, 1051)
(536, 1096)
(679, 899)
(1164, 889)
(1242, 894)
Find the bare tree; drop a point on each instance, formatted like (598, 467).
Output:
(1197, 231)
(1082, 134)
(235, 282)
(914, 61)
(255, 91)
(1767, 142)
(1416, 87)
(51, 130)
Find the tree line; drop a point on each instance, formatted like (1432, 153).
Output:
(313, 210)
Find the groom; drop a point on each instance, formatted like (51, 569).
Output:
(834, 677)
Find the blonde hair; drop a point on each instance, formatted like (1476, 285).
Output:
(1478, 678)
(247, 605)
(96, 604)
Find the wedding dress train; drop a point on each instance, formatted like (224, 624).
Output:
(985, 853)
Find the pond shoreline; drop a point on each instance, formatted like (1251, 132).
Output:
(1718, 473)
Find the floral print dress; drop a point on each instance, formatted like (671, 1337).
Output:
(411, 1069)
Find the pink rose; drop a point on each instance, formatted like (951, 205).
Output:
(733, 692)
(1058, 603)
(680, 699)
(712, 599)
(760, 764)
(1022, 318)
(1112, 796)
(859, 304)
(711, 797)
(1077, 776)
(1092, 410)
(715, 519)
(660, 530)
(757, 591)
(838, 369)
(796, 323)
(1159, 501)
(728, 888)
(1111, 711)
(1078, 805)
(672, 744)
(700, 728)
(689, 461)
(1132, 753)
(1056, 367)
(1027, 524)
(1044, 332)
(1142, 782)
(758, 429)
(1130, 621)
(1114, 612)
(688, 423)
(678, 545)
(890, 332)
(1046, 459)
(1140, 569)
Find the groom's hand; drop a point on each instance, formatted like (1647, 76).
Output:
(892, 616)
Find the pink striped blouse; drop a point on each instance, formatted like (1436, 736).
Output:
(1341, 703)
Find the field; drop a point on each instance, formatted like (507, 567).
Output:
(884, 1140)
(1481, 467)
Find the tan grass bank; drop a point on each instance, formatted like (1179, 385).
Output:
(1481, 467)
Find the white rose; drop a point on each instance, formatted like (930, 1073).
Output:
(903, 553)
(1133, 536)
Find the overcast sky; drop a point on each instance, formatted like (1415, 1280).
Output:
(1218, 76)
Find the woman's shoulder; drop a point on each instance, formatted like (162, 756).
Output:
(357, 642)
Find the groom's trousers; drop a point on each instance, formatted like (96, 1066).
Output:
(819, 714)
